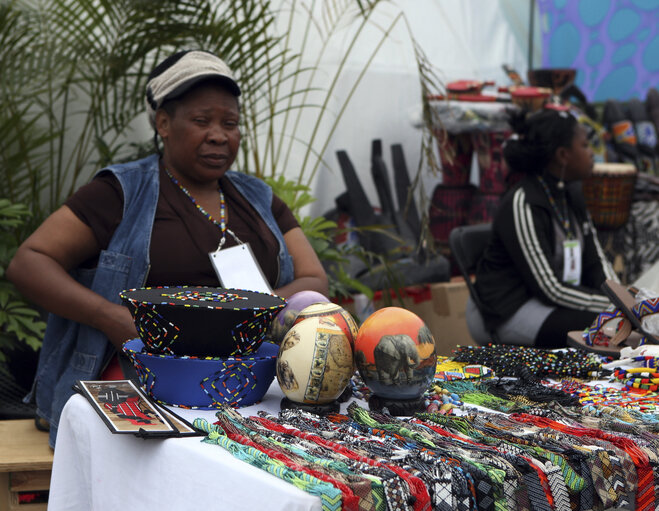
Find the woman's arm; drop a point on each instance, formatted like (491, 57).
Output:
(528, 244)
(40, 271)
(309, 273)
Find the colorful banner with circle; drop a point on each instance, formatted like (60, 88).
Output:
(614, 44)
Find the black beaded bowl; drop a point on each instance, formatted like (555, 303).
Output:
(201, 321)
(196, 382)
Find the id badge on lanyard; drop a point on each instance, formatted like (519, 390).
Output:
(237, 268)
(572, 261)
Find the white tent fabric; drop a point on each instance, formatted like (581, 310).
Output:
(469, 39)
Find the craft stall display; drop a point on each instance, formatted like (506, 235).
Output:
(470, 124)
(493, 427)
(471, 136)
(202, 346)
(515, 443)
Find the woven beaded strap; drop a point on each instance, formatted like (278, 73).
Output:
(416, 487)
(329, 495)
(646, 308)
(595, 334)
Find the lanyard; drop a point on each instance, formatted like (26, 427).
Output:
(563, 216)
(222, 224)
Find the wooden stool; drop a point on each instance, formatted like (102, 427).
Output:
(26, 460)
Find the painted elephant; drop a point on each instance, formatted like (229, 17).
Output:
(396, 356)
(425, 336)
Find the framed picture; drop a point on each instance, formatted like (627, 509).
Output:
(126, 409)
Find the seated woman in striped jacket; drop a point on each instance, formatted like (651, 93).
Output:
(541, 273)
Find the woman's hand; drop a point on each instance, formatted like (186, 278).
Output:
(116, 322)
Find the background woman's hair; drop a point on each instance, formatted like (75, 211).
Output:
(538, 135)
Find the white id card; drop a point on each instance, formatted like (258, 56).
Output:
(572, 262)
(237, 268)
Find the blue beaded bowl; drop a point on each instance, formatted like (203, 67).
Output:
(193, 382)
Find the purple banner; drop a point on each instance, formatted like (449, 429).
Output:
(613, 44)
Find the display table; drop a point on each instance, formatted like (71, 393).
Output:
(471, 116)
(95, 469)
(25, 464)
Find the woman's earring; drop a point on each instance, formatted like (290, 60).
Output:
(561, 182)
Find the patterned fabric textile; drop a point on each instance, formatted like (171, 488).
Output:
(481, 461)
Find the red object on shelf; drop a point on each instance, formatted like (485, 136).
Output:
(465, 86)
(530, 97)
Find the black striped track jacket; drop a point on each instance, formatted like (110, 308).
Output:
(520, 260)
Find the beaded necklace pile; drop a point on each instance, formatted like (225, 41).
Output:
(366, 460)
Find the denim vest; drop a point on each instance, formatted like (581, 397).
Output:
(72, 351)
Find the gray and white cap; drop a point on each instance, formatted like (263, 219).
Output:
(177, 74)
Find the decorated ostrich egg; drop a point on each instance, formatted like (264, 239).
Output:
(395, 354)
(284, 319)
(315, 363)
(331, 310)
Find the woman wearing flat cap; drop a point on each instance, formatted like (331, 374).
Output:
(153, 222)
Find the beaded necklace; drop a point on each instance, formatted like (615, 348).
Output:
(563, 216)
(328, 494)
(222, 224)
(599, 395)
(510, 360)
(644, 492)
(415, 486)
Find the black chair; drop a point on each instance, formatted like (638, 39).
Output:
(467, 244)
(402, 185)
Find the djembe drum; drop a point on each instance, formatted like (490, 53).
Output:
(608, 193)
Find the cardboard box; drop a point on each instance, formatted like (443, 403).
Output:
(441, 306)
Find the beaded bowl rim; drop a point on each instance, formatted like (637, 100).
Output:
(137, 303)
(127, 347)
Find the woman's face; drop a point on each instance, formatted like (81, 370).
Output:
(579, 156)
(201, 136)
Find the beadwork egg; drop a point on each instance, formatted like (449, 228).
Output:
(331, 310)
(395, 353)
(284, 319)
(315, 362)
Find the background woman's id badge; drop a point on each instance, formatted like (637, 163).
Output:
(237, 268)
(572, 262)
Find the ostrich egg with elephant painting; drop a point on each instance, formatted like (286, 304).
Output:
(284, 319)
(331, 310)
(315, 362)
(395, 354)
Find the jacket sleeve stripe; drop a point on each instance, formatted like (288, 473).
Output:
(606, 266)
(540, 267)
(533, 253)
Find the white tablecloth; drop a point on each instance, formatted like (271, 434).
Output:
(95, 470)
